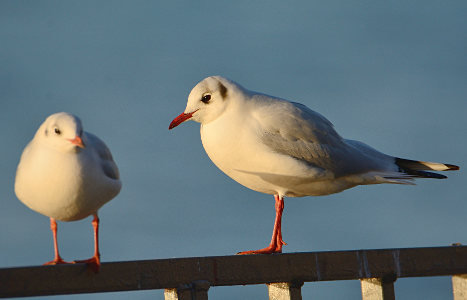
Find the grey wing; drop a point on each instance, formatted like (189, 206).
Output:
(307, 136)
(109, 167)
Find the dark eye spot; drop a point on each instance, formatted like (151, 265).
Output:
(57, 131)
(206, 98)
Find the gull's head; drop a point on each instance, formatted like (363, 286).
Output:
(62, 131)
(207, 100)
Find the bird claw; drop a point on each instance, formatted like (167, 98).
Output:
(93, 263)
(57, 261)
(269, 250)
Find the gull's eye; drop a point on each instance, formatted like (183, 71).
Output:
(57, 131)
(206, 98)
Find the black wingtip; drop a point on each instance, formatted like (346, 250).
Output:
(408, 164)
(416, 169)
(452, 167)
(424, 174)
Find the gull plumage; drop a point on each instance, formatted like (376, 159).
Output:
(283, 148)
(67, 174)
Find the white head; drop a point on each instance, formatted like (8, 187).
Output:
(62, 131)
(208, 100)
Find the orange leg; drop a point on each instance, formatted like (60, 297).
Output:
(279, 207)
(57, 260)
(276, 241)
(95, 261)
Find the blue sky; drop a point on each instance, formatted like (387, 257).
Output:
(392, 74)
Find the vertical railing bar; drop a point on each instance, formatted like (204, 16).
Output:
(459, 287)
(377, 289)
(170, 294)
(285, 290)
(197, 290)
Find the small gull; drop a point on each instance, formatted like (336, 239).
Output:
(67, 174)
(283, 148)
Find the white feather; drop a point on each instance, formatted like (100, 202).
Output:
(60, 180)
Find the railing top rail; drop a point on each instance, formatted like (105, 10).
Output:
(234, 270)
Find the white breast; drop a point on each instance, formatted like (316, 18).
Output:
(235, 148)
(64, 186)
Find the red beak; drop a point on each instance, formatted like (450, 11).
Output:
(180, 119)
(77, 141)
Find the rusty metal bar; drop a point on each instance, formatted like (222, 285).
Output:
(233, 270)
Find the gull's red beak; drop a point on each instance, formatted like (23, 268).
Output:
(77, 141)
(180, 119)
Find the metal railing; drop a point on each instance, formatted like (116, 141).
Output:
(191, 278)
